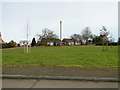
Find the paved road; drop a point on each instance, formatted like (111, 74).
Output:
(61, 71)
(32, 83)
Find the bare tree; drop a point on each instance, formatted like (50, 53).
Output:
(76, 38)
(111, 40)
(86, 34)
(39, 37)
(93, 37)
(104, 34)
(27, 37)
(46, 33)
(27, 34)
(79, 38)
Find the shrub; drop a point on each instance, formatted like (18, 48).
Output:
(33, 42)
(8, 45)
(4, 45)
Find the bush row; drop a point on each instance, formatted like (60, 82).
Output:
(109, 44)
(8, 45)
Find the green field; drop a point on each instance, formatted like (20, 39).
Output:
(78, 56)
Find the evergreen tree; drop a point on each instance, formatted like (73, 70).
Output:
(33, 42)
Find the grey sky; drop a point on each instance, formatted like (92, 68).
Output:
(75, 17)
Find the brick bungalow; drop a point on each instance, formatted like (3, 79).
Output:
(69, 42)
(49, 42)
(13, 42)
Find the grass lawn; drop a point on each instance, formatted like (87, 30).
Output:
(80, 56)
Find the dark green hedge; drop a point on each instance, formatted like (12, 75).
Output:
(8, 45)
(109, 44)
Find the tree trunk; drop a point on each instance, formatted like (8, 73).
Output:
(103, 45)
(111, 44)
(27, 46)
(30, 47)
(107, 46)
(74, 42)
(86, 41)
(24, 47)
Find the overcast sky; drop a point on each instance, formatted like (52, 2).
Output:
(75, 17)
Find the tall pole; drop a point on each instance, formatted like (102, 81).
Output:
(61, 30)
(24, 47)
(27, 36)
(30, 47)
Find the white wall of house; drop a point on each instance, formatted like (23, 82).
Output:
(69, 43)
(21, 44)
(72, 43)
(50, 43)
(76, 43)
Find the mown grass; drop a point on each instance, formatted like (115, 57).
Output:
(78, 56)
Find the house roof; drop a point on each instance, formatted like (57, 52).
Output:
(68, 40)
(1, 41)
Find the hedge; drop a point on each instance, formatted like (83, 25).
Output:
(8, 45)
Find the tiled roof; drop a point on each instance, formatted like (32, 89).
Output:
(1, 41)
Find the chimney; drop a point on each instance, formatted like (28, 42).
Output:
(61, 30)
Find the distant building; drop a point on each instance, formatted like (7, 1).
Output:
(69, 42)
(22, 42)
(49, 42)
(1, 41)
(13, 42)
